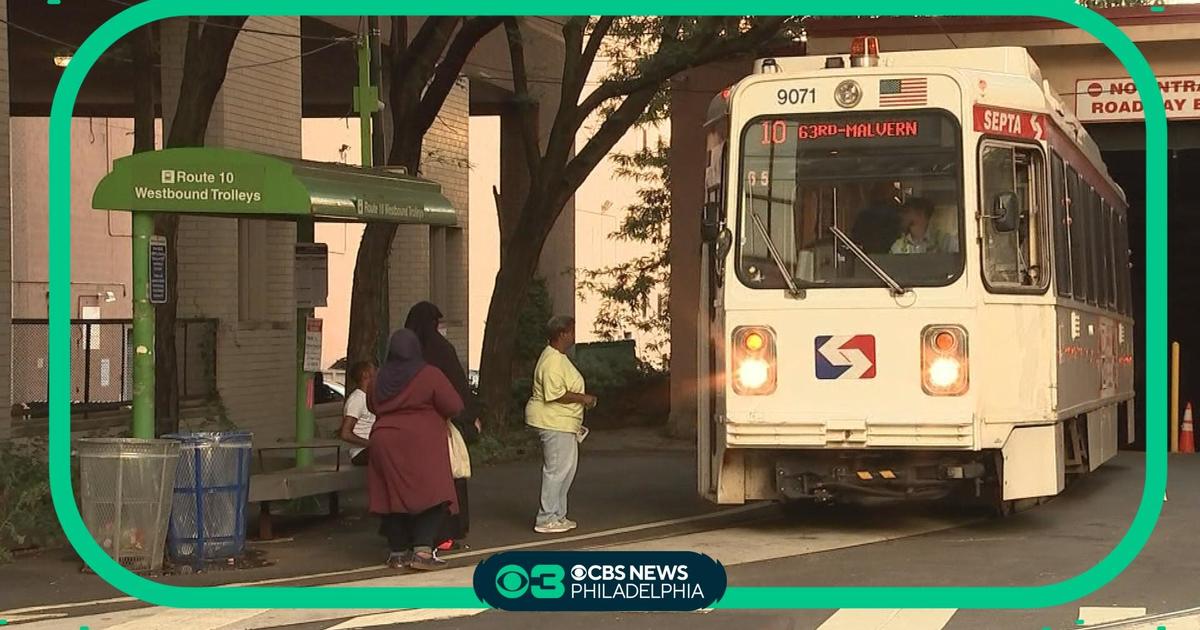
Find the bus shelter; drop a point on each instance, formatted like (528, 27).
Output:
(221, 182)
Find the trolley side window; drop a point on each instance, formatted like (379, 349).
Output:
(1092, 234)
(1062, 237)
(1123, 268)
(1106, 252)
(1076, 219)
(1013, 217)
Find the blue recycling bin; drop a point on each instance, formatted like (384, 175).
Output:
(208, 508)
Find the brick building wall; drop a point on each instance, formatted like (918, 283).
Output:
(432, 263)
(240, 271)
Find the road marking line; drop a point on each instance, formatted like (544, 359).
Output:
(888, 619)
(629, 529)
(192, 619)
(1092, 615)
(15, 619)
(4, 614)
(404, 616)
(731, 546)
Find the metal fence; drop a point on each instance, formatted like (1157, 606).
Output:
(101, 362)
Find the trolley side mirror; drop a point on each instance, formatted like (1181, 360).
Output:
(724, 244)
(1006, 211)
(710, 221)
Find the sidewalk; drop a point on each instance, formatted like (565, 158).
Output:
(625, 478)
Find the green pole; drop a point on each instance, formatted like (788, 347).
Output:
(366, 102)
(365, 98)
(143, 328)
(305, 425)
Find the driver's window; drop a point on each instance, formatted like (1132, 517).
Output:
(1012, 217)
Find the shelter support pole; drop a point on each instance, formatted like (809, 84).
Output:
(1175, 397)
(143, 328)
(370, 126)
(305, 424)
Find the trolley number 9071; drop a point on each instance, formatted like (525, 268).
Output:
(796, 96)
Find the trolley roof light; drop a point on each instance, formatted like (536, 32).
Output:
(864, 51)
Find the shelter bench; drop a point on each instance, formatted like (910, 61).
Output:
(299, 482)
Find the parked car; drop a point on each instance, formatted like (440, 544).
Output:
(327, 391)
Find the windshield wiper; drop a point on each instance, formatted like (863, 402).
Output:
(793, 290)
(871, 264)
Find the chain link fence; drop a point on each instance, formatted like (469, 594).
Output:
(101, 363)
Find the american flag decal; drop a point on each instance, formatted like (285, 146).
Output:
(911, 92)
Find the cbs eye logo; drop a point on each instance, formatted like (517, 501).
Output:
(543, 581)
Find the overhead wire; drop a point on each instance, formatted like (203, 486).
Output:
(127, 4)
(65, 44)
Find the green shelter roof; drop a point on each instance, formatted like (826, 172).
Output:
(229, 182)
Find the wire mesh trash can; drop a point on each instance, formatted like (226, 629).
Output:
(125, 491)
(208, 510)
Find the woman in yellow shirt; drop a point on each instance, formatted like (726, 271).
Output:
(555, 410)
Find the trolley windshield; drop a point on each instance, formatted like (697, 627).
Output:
(891, 181)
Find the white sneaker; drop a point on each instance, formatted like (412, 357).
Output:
(553, 527)
(569, 523)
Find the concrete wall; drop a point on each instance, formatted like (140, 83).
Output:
(432, 263)
(258, 109)
(100, 250)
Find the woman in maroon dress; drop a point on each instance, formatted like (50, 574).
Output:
(408, 471)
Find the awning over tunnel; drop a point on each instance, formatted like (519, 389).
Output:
(229, 182)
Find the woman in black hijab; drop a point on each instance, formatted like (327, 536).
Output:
(425, 320)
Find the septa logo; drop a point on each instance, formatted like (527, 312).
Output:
(845, 357)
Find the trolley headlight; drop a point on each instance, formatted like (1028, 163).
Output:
(944, 360)
(754, 369)
(753, 373)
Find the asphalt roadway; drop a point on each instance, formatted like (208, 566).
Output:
(902, 545)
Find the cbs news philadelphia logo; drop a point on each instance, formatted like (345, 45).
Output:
(600, 580)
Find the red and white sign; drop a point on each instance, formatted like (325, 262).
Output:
(1117, 99)
(996, 121)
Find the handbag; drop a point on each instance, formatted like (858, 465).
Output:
(460, 458)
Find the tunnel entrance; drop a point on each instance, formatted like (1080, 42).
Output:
(1121, 145)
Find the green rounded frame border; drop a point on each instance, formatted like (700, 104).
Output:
(964, 597)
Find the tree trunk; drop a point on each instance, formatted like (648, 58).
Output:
(518, 264)
(500, 342)
(206, 61)
(367, 295)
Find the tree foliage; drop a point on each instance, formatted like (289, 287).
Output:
(627, 290)
(557, 167)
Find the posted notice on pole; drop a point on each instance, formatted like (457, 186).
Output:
(1116, 99)
(312, 274)
(158, 269)
(312, 345)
